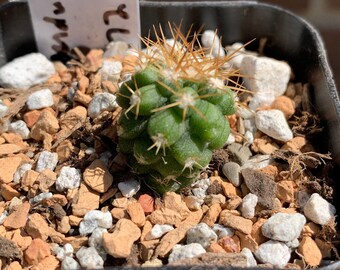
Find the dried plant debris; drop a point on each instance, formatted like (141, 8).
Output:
(70, 198)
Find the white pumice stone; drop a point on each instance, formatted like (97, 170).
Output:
(68, 248)
(212, 43)
(89, 258)
(185, 252)
(251, 262)
(69, 177)
(69, 264)
(260, 100)
(158, 231)
(40, 197)
(200, 187)
(201, 234)
(129, 188)
(222, 231)
(19, 127)
(94, 219)
(3, 109)
(265, 75)
(26, 71)
(21, 171)
(40, 99)
(101, 102)
(248, 205)
(62, 252)
(284, 227)
(273, 252)
(47, 160)
(318, 210)
(274, 124)
(96, 241)
(111, 70)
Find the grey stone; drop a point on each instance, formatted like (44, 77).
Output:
(231, 170)
(239, 152)
(262, 185)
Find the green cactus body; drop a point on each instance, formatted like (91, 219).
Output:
(172, 117)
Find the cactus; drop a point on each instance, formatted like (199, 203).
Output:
(174, 111)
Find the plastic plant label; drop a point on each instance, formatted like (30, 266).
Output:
(62, 25)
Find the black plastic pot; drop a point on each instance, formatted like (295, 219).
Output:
(288, 37)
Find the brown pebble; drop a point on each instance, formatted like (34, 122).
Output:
(97, 176)
(136, 213)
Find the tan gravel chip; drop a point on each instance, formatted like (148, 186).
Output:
(97, 176)
(18, 218)
(87, 200)
(310, 251)
(136, 213)
(8, 166)
(37, 251)
(37, 226)
(238, 223)
(119, 243)
(9, 148)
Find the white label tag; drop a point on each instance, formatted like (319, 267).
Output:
(65, 24)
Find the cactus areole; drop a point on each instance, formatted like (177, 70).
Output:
(174, 111)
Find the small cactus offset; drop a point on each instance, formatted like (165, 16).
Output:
(174, 111)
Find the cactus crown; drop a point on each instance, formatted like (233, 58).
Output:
(174, 110)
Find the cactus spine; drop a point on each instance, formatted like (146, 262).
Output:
(174, 111)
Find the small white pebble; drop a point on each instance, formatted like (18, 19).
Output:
(94, 219)
(200, 187)
(260, 99)
(185, 252)
(40, 197)
(21, 171)
(222, 231)
(47, 160)
(249, 137)
(3, 109)
(69, 177)
(237, 57)
(201, 234)
(70, 264)
(152, 263)
(231, 139)
(274, 124)
(101, 102)
(129, 188)
(3, 216)
(212, 42)
(248, 205)
(273, 252)
(251, 262)
(158, 231)
(96, 241)
(26, 71)
(111, 70)
(318, 210)
(40, 99)
(284, 227)
(68, 248)
(89, 258)
(90, 151)
(19, 127)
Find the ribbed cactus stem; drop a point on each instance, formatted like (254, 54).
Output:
(174, 112)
